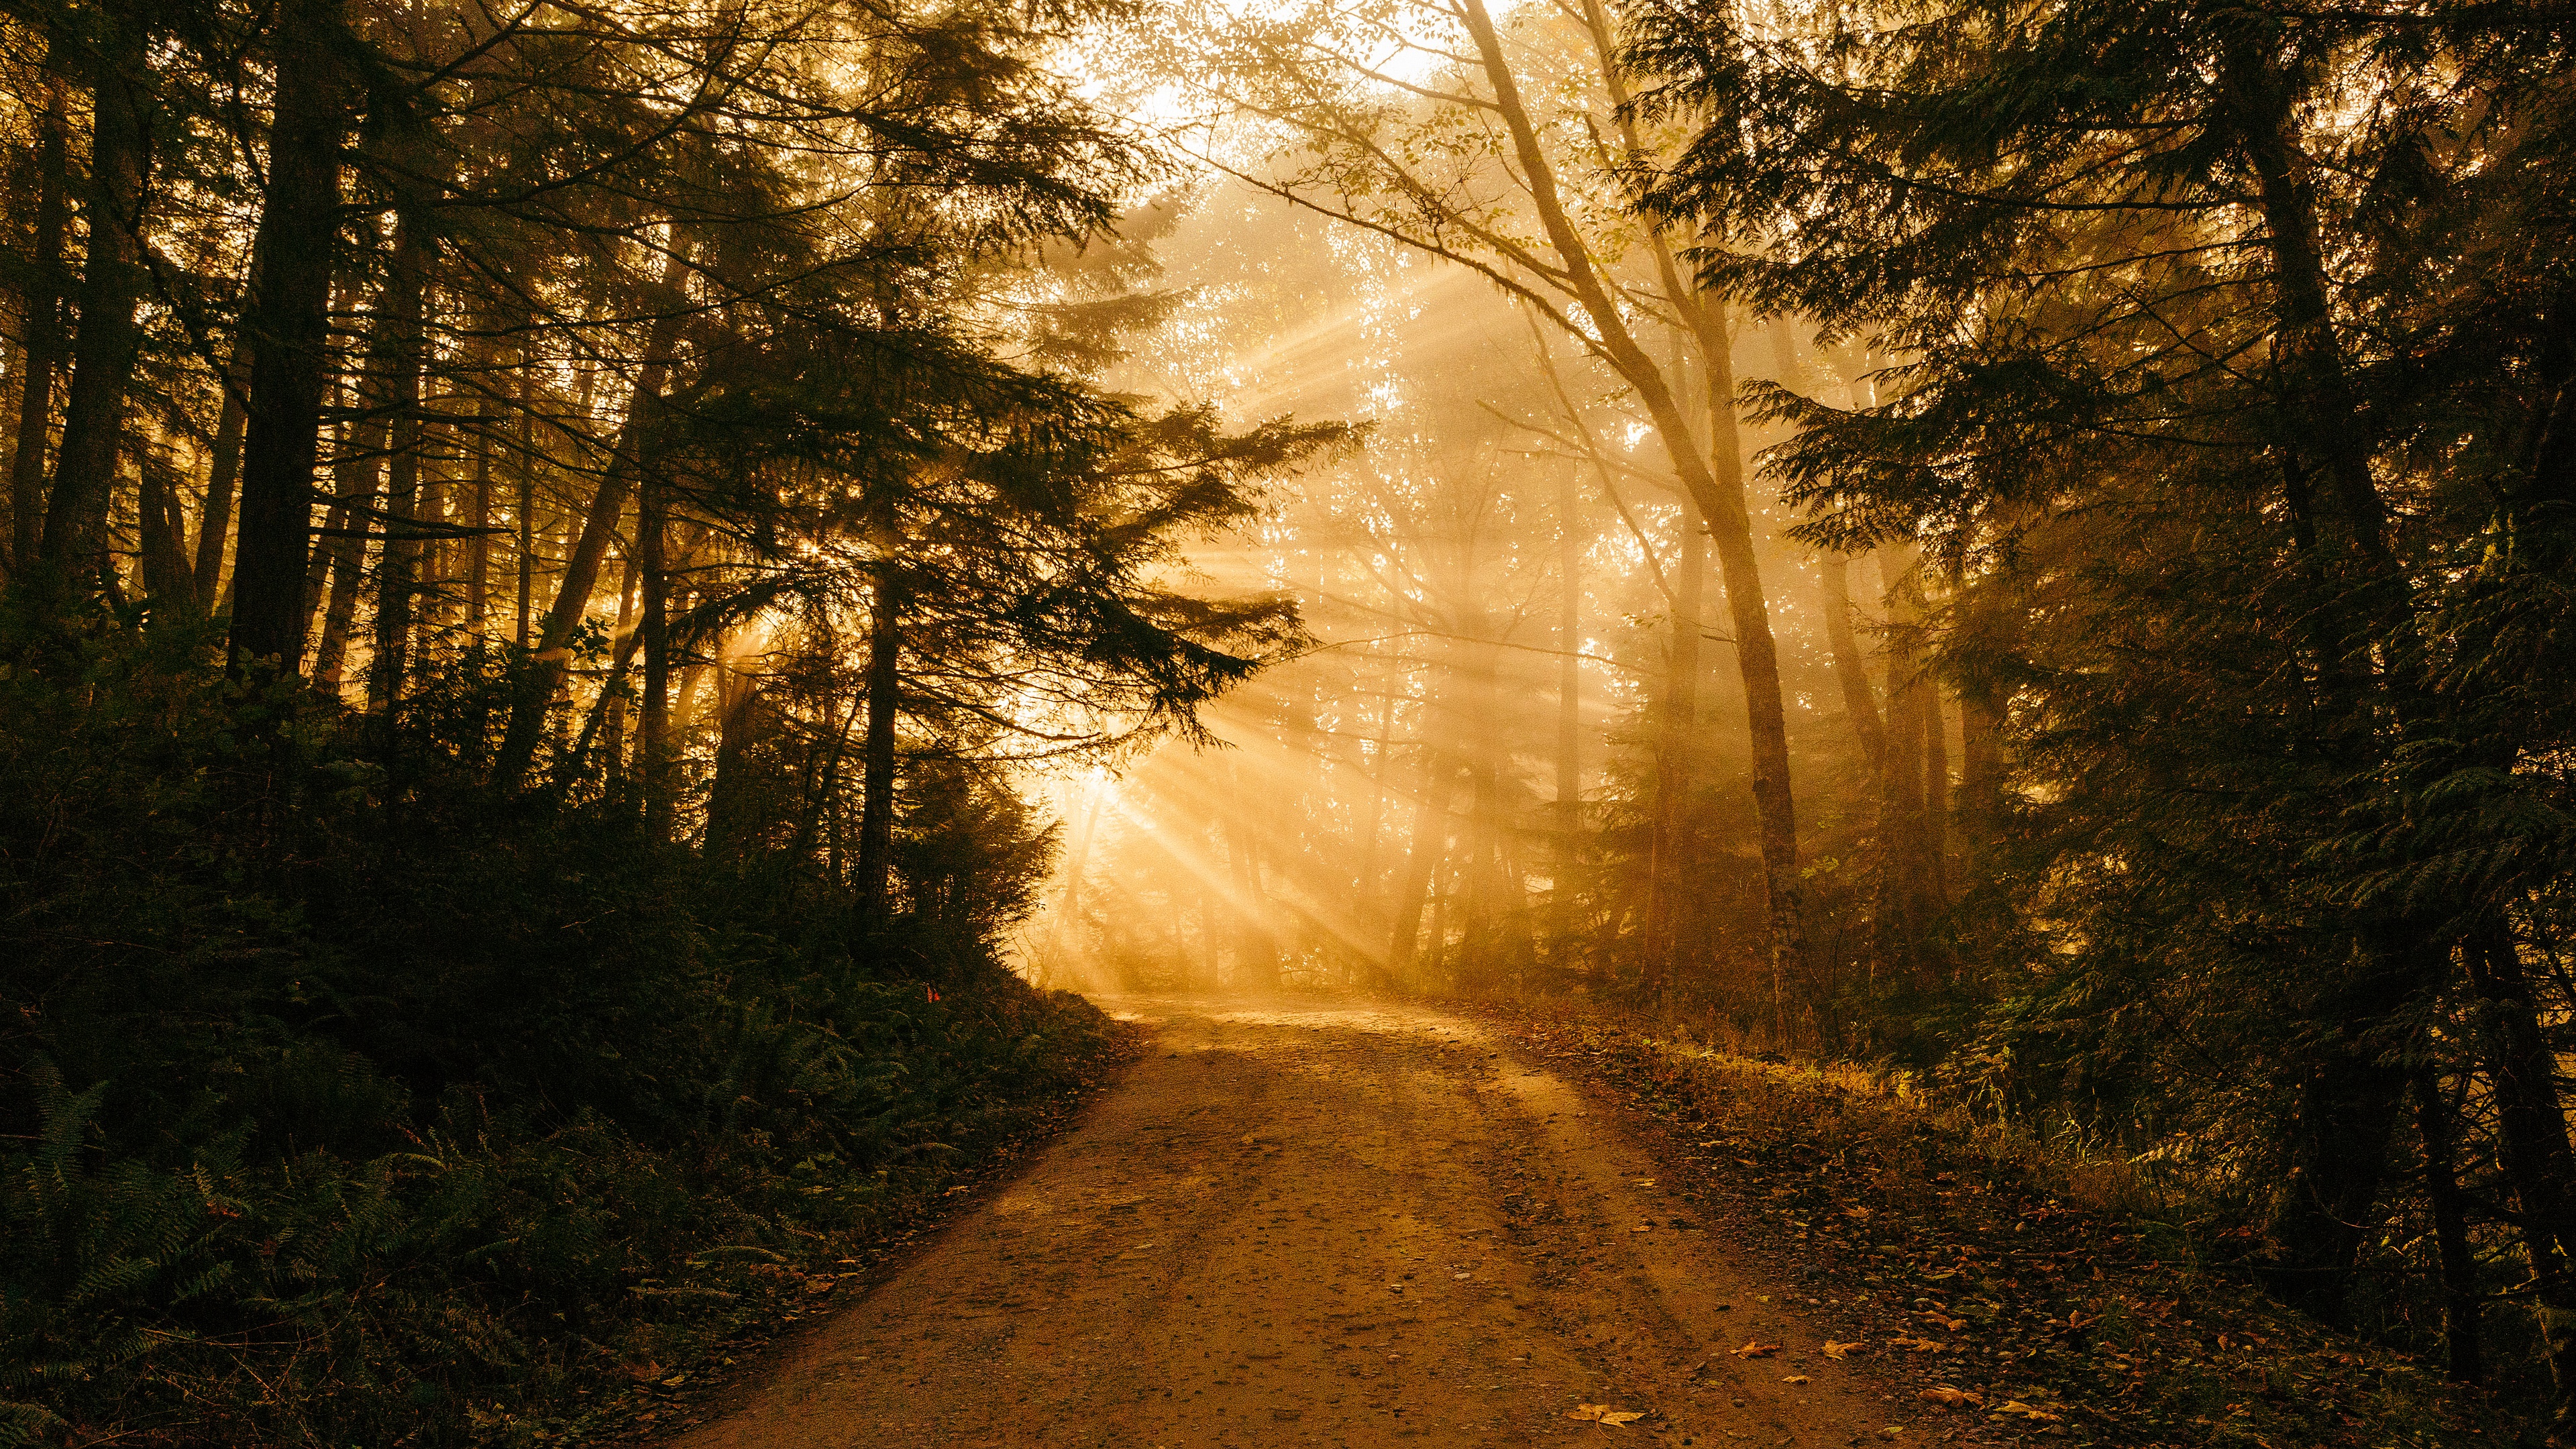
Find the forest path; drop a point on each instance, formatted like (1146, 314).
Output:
(1310, 1224)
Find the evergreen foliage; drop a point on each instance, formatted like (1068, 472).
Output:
(528, 580)
(2223, 371)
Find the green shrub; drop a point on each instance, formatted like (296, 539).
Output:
(343, 1104)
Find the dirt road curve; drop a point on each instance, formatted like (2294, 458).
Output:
(1316, 1226)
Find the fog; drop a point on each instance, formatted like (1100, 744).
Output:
(1457, 785)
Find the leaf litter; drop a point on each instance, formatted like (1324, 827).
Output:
(2022, 1316)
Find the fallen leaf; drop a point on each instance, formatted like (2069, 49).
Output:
(1892, 1431)
(1843, 1350)
(1949, 1397)
(1619, 1418)
(1587, 1411)
(1756, 1350)
(2036, 1416)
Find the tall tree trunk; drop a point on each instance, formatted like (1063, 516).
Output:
(2260, 106)
(1936, 792)
(607, 714)
(2338, 1141)
(1440, 780)
(1981, 770)
(2344, 1104)
(1905, 832)
(1719, 493)
(581, 564)
(624, 640)
(223, 476)
(876, 803)
(653, 743)
(526, 519)
(2438, 1127)
(1259, 950)
(41, 308)
(1569, 704)
(1851, 669)
(1757, 653)
(478, 544)
(1676, 754)
(356, 486)
(112, 282)
(2531, 1124)
(1077, 859)
(401, 359)
(338, 566)
(738, 709)
(288, 327)
(162, 556)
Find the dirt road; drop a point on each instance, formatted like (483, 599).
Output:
(1318, 1226)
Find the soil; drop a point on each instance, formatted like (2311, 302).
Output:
(1308, 1224)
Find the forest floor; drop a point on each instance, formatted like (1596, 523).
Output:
(1321, 1223)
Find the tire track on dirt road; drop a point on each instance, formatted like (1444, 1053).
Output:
(1308, 1224)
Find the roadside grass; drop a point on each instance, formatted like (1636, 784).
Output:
(2024, 1295)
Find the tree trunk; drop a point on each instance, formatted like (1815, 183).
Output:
(876, 803)
(223, 476)
(338, 565)
(1719, 493)
(112, 284)
(162, 555)
(1981, 771)
(401, 360)
(2338, 1144)
(1936, 792)
(1440, 779)
(1905, 830)
(478, 546)
(525, 605)
(652, 746)
(738, 706)
(1676, 752)
(356, 475)
(553, 659)
(1569, 704)
(1851, 669)
(41, 310)
(2259, 105)
(2531, 1125)
(2438, 1126)
(624, 641)
(1068, 906)
(288, 328)
(1259, 950)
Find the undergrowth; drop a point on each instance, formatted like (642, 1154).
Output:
(342, 1104)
